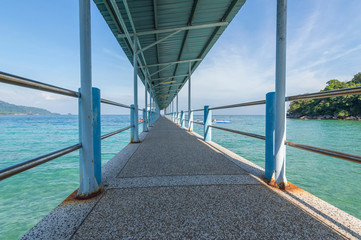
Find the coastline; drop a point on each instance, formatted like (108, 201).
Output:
(324, 117)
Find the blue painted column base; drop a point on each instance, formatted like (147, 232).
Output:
(270, 131)
(90, 169)
(207, 123)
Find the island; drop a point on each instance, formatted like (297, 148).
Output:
(12, 109)
(338, 108)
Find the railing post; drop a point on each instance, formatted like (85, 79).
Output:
(150, 110)
(270, 130)
(190, 121)
(135, 76)
(182, 119)
(207, 122)
(280, 106)
(145, 128)
(97, 135)
(145, 116)
(177, 114)
(132, 123)
(88, 186)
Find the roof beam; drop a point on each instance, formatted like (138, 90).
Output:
(158, 41)
(175, 62)
(163, 78)
(167, 66)
(157, 31)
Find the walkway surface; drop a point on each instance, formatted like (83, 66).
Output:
(175, 186)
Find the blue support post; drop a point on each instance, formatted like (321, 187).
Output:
(190, 122)
(145, 115)
(177, 114)
(270, 130)
(132, 123)
(150, 110)
(280, 105)
(135, 78)
(97, 135)
(88, 186)
(207, 122)
(182, 123)
(145, 128)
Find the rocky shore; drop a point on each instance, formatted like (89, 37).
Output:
(324, 117)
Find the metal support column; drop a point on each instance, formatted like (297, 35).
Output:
(145, 116)
(89, 185)
(280, 106)
(177, 114)
(145, 129)
(182, 119)
(207, 122)
(132, 122)
(150, 109)
(135, 66)
(270, 130)
(190, 122)
(190, 113)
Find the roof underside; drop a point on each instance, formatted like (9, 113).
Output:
(174, 36)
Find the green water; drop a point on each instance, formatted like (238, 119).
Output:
(27, 197)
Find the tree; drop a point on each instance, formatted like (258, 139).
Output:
(343, 106)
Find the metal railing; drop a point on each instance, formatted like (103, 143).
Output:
(323, 94)
(28, 83)
(327, 152)
(317, 95)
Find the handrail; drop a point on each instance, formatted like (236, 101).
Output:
(102, 100)
(20, 167)
(240, 105)
(323, 151)
(115, 132)
(240, 132)
(24, 82)
(327, 152)
(323, 94)
(198, 122)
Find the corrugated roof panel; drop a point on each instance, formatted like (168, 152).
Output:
(154, 15)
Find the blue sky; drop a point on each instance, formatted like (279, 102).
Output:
(40, 40)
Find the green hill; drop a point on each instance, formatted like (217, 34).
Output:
(343, 107)
(12, 109)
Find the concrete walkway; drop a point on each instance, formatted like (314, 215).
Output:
(175, 186)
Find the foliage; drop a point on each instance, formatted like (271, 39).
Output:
(343, 106)
(11, 109)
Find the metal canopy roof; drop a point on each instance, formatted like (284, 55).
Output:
(173, 37)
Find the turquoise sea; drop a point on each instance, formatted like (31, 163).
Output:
(27, 197)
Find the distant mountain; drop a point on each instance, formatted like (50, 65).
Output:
(12, 109)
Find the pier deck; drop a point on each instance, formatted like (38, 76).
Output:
(173, 185)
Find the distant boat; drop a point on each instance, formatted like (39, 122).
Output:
(221, 121)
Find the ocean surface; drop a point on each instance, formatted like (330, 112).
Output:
(27, 197)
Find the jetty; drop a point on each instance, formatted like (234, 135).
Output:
(191, 189)
(169, 182)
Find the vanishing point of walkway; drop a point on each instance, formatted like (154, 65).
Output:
(175, 186)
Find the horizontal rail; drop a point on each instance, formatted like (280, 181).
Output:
(115, 132)
(327, 152)
(24, 82)
(260, 102)
(102, 100)
(20, 167)
(198, 122)
(240, 132)
(325, 94)
(323, 151)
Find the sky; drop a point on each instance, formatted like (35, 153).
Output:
(40, 41)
